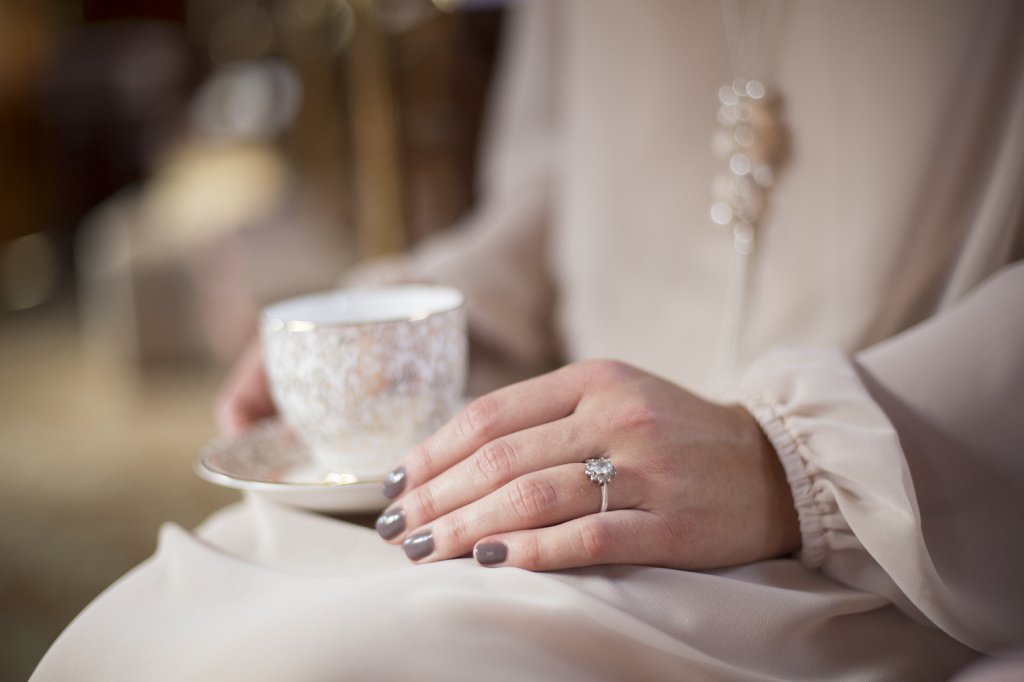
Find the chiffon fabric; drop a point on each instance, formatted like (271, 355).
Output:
(881, 353)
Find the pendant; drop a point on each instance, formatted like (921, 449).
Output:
(753, 143)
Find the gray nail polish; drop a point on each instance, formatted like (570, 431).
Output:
(391, 523)
(419, 545)
(394, 483)
(490, 553)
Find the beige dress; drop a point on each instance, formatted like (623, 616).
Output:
(882, 354)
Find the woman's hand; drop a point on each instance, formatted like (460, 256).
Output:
(245, 398)
(697, 485)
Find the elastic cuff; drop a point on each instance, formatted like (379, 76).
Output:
(812, 531)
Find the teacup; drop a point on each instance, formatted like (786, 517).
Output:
(363, 375)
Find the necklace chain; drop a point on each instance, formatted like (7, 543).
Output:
(752, 143)
(744, 23)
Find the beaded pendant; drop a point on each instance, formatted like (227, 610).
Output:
(752, 142)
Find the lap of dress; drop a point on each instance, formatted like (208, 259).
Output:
(262, 591)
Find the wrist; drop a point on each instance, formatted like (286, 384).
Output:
(782, 534)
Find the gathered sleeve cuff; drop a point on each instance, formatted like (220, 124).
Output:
(812, 502)
(905, 462)
(818, 416)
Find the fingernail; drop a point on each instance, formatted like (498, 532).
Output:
(394, 483)
(391, 523)
(490, 553)
(419, 545)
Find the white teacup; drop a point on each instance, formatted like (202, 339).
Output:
(363, 375)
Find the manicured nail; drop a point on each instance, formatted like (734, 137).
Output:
(419, 545)
(391, 523)
(490, 553)
(394, 483)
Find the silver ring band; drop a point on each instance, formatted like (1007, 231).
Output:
(600, 470)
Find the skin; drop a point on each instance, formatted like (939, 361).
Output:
(245, 398)
(698, 486)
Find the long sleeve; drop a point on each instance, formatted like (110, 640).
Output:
(497, 254)
(906, 462)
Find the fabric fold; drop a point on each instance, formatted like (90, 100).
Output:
(868, 455)
(858, 515)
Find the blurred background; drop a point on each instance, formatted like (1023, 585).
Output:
(167, 167)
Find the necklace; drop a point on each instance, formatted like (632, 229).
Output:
(752, 143)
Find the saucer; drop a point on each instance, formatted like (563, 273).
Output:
(272, 462)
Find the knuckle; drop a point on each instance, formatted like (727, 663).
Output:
(575, 434)
(532, 498)
(479, 417)
(639, 413)
(527, 553)
(421, 462)
(496, 460)
(594, 540)
(424, 504)
(456, 531)
(663, 470)
(604, 369)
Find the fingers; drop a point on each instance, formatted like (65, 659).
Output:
(514, 408)
(236, 413)
(246, 397)
(628, 536)
(494, 464)
(538, 499)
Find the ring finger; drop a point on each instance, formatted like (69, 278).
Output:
(537, 499)
(494, 464)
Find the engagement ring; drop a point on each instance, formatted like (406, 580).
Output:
(600, 470)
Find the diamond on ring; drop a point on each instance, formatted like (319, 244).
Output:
(600, 470)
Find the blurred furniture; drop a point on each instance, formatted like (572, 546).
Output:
(324, 132)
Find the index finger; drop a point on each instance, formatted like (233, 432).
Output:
(519, 406)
